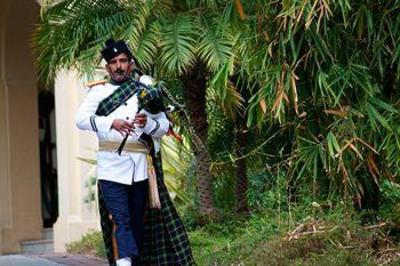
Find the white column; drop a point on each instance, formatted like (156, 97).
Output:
(75, 216)
(5, 186)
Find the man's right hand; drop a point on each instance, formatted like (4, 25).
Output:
(123, 126)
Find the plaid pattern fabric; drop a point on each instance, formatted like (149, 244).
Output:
(165, 239)
(149, 97)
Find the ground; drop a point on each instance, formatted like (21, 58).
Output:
(54, 259)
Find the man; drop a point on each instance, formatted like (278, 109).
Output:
(123, 110)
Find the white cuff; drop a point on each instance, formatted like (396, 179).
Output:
(151, 126)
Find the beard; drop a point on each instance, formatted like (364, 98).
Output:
(119, 75)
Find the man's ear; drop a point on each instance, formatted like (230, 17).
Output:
(131, 65)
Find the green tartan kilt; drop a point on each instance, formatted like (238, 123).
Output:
(165, 238)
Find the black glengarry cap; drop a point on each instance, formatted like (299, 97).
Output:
(114, 48)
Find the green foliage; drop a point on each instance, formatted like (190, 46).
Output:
(177, 48)
(90, 244)
(315, 81)
(314, 68)
(71, 30)
(177, 160)
(327, 237)
(314, 250)
(390, 201)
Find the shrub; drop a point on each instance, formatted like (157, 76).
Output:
(90, 244)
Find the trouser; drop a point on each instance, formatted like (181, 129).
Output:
(126, 204)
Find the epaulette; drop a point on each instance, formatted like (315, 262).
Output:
(95, 82)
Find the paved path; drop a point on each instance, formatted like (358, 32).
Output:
(52, 259)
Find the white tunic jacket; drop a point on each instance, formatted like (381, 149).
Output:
(128, 167)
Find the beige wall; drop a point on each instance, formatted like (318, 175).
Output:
(20, 201)
(75, 216)
(19, 157)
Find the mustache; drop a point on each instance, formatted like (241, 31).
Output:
(120, 71)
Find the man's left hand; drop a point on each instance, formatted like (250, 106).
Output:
(140, 120)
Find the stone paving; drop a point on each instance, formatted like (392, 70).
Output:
(50, 259)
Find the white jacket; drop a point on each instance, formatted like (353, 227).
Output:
(128, 167)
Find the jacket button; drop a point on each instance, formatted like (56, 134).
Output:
(125, 103)
(127, 118)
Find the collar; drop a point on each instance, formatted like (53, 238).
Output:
(118, 83)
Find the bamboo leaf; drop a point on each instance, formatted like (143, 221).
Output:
(333, 145)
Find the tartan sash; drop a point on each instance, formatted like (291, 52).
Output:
(149, 97)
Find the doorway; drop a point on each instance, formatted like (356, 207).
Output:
(48, 158)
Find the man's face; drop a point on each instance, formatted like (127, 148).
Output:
(120, 67)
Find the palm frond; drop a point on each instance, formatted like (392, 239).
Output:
(72, 33)
(177, 44)
(216, 43)
(148, 45)
(224, 91)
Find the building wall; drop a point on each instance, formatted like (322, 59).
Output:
(76, 217)
(20, 208)
(20, 196)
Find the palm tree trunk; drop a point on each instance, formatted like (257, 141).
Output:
(242, 183)
(195, 94)
(241, 142)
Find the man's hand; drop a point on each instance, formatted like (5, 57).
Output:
(123, 126)
(140, 120)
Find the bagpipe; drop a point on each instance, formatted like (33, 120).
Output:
(153, 97)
